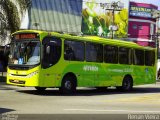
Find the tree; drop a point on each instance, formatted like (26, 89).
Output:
(10, 12)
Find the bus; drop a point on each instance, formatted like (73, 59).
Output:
(44, 59)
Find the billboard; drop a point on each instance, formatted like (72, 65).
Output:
(140, 11)
(106, 18)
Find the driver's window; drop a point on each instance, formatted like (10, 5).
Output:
(51, 51)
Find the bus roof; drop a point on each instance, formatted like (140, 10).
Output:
(89, 39)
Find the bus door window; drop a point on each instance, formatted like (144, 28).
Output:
(51, 51)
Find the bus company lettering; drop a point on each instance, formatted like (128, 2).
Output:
(90, 68)
(121, 70)
(128, 70)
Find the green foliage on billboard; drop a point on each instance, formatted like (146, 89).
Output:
(97, 20)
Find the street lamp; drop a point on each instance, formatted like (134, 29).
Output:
(113, 6)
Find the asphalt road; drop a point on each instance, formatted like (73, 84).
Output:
(143, 99)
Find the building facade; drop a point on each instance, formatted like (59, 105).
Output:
(142, 25)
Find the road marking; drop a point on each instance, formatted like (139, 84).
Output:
(154, 99)
(92, 110)
(98, 110)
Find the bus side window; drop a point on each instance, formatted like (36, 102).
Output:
(94, 52)
(125, 55)
(149, 58)
(110, 54)
(73, 50)
(138, 57)
(69, 53)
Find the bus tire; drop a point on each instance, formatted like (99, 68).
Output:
(68, 85)
(127, 84)
(40, 89)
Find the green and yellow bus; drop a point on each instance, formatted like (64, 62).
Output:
(43, 60)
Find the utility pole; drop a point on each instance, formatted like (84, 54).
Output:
(156, 15)
(114, 6)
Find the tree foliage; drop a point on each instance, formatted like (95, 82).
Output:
(10, 12)
(121, 20)
(12, 15)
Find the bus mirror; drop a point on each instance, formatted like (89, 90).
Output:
(48, 49)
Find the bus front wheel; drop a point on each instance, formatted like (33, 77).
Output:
(68, 85)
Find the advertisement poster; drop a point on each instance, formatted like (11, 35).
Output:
(106, 18)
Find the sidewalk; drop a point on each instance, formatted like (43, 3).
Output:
(158, 80)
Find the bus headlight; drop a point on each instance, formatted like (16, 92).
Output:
(32, 74)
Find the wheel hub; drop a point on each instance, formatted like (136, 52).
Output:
(68, 85)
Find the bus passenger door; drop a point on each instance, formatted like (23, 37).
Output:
(51, 53)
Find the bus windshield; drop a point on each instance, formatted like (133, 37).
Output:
(27, 53)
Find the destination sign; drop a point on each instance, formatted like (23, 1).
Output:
(26, 36)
